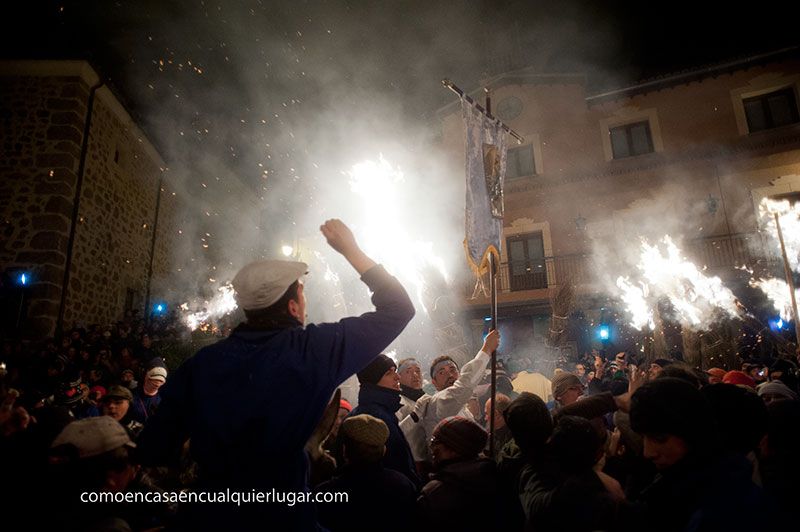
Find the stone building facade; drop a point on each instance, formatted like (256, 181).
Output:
(573, 184)
(43, 116)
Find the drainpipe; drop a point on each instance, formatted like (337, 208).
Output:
(76, 205)
(153, 249)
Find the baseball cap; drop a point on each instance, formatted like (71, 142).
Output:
(262, 283)
(93, 436)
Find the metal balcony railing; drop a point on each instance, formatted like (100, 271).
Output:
(717, 253)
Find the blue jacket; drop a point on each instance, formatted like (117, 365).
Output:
(250, 402)
(383, 403)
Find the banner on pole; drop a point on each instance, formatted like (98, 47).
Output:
(485, 169)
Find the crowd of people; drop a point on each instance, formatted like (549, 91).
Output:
(597, 445)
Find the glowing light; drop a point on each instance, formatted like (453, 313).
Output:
(635, 299)
(220, 305)
(777, 291)
(789, 216)
(23, 279)
(287, 250)
(603, 332)
(665, 273)
(385, 225)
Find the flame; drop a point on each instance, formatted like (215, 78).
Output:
(384, 231)
(777, 291)
(667, 274)
(789, 216)
(220, 305)
(635, 298)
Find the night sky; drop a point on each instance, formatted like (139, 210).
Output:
(219, 78)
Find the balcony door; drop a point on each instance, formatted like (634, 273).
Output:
(526, 265)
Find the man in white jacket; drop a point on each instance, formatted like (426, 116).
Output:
(454, 389)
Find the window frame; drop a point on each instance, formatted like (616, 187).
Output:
(628, 130)
(763, 99)
(532, 152)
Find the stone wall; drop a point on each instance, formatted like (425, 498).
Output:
(42, 118)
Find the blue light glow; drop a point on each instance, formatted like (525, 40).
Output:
(776, 324)
(159, 308)
(603, 332)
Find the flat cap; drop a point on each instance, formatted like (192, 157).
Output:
(262, 283)
(366, 429)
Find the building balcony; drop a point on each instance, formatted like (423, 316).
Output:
(529, 282)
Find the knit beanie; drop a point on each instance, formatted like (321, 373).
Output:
(366, 430)
(776, 388)
(157, 370)
(376, 369)
(740, 378)
(464, 437)
(563, 381)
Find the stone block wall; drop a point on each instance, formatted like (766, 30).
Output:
(42, 120)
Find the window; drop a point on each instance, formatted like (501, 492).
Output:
(771, 110)
(526, 265)
(631, 139)
(519, 162)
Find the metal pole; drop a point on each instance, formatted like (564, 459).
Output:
(789, 279)
(76, 204)
(152, 250)
(493, 285)
(488, 112)
(493, 310)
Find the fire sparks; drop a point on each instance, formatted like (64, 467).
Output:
(789, 216)
(220, 305)
(777, 291)
(385, 226)
(667, 274)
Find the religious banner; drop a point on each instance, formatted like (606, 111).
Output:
(485, 169)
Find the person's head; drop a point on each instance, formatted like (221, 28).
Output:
(785, 371)
(382, 371)
(364, 439)
(567, 388)
(457, 438)
(154, 377)
(775, 391)
(116, 402)
(740, 415)
(502, 404)
(681, 371)
(146, 341)
(575, 444)
(410, 373)
(739, 378)
(97, 448)
(270, 290)
(656, 366)
(580, 369)
(530, 422)
(444, 372)
(674, 420)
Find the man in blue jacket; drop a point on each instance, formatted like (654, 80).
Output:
(379, 396)
(250, 402)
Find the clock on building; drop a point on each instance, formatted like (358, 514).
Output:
(509, 108)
